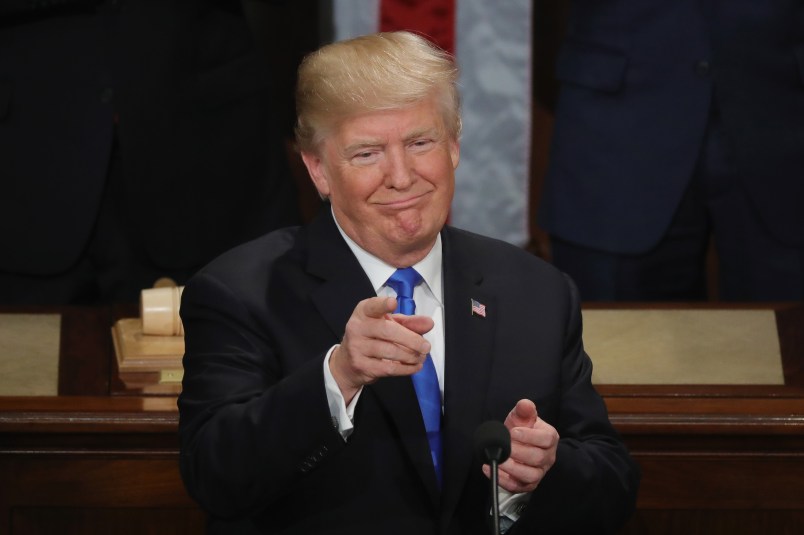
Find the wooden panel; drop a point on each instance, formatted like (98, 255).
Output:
(714, 522)
(716, 481)
(79, 492)
(92, 481)
(95, 521)
(84, 367)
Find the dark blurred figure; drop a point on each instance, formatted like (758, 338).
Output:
(678, 120)
(138, 140)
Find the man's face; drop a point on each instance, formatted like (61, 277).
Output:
(390, 176)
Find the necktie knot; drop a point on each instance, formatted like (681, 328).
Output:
(403, 281)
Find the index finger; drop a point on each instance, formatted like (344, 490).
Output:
(417, 324)
(376, 307)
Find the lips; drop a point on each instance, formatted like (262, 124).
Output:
(408, 201)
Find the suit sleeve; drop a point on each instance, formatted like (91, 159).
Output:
(249, 430)
(592, 486)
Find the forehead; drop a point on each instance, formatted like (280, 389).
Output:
(385, 125)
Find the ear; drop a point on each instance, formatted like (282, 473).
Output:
(455, 152)
(315, 167)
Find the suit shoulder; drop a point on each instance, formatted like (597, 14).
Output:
(258, 256)
(516, 276)
(494, 254)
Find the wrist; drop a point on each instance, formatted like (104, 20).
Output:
(347, 387)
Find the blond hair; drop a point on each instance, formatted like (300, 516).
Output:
(382, 71)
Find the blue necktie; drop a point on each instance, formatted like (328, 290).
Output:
(403, 281)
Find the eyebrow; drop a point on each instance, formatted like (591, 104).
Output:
(357, 147)
(375, 142)
(433, 132)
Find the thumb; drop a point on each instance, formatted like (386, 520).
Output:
(522, 415)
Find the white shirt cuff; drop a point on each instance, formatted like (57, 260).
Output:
(512, 505)
(342, 415)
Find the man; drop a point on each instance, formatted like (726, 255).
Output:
(299, 410)
(677, 120)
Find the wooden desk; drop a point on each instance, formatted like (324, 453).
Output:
(715, 458)
(100, 458)
(97, 458)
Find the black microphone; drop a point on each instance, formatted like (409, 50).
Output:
(493, 446)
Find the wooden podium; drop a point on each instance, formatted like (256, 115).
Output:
(719, 458)
(100, 455)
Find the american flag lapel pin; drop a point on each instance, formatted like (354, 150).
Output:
(478, 308)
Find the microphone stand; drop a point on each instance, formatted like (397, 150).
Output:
(493, 446)
(495, 498)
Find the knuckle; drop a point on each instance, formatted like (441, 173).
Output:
(390, 367)
(387, 330)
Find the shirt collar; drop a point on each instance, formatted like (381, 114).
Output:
(378, 271)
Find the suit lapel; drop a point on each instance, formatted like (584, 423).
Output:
(344, 281)
(344, 285)
(468, 345)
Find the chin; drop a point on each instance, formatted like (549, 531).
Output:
(423, 238)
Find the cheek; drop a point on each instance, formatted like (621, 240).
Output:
(364, 185)
(356, 192)
(446, 181)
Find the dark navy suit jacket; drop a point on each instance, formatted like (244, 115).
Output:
(638, 81)
(258, 447)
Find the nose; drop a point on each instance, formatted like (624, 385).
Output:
(398, 170)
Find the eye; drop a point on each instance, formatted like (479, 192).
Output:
(421, 144)
(365, 157)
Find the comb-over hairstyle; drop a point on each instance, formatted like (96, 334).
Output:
(382, 71)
